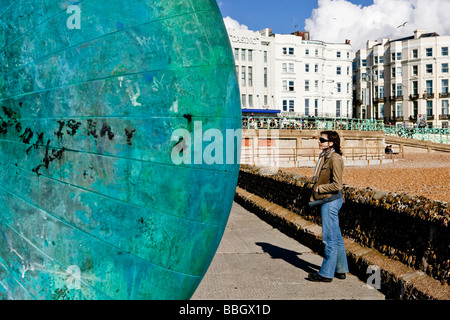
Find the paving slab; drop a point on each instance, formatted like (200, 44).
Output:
(258, 262)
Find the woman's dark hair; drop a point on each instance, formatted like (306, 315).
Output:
(333, 136)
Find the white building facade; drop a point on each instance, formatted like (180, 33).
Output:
(404, 81)
(291, 75)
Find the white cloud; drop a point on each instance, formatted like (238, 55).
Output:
(233, 24)
(337, 20)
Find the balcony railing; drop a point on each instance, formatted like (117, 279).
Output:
(444, 95)
(414, 96)
(428, 95)
(381, 99)
(396, 98)
(444, 117)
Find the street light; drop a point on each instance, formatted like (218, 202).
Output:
(370, 78)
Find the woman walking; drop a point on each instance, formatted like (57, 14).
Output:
(327, 192)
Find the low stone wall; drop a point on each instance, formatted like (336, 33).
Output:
(411, 230)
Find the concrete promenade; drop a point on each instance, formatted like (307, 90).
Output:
(256, 261)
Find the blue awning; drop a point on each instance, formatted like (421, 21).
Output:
(261, 110)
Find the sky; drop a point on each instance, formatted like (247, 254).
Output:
(338, 20)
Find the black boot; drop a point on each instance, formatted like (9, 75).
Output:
(339, 275)
(314, 276)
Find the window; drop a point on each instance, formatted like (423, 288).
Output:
(444, 85)
(265, 77)
(381, 91)
(284, 67)
(236, 54)
(307, 67)
(243, 76)
(265, 56)
(348, 71)
(348, 55)
(399, 108)
(429, 68)
(265, 100)
(285, 50)
(306, 52)
(291, 67)
(250, 55)
(429, 108)
(285, 105)
(284, 85)
(364, 62)
(381, 59)
(243, 100)
(317, 52)
(338, 87)
(393, 56)
(376, 59)
(338, 54)
(291, 85)
(316, 68)
(393, 72)
(250, 76)
(316, 107)
(444, 110)
(415, 70)
(415, 85)
(429, 86)
(338, 70)
(348, 87)
(243, 51)
(250, 100)
(338, 108)
(399, 89)
(316, 85)
(429, 52)
(291, 51)
(444, 68)
(291, 105)
(307, 107)
(399, 71)
(444, 52)
(306, 85)
(381, 74)
(415, 53)
(399, 56)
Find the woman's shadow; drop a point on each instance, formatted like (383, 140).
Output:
(288, 256)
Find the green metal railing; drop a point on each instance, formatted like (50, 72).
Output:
(437, 135)
(260, 122)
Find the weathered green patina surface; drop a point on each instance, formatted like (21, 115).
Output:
(92, 205)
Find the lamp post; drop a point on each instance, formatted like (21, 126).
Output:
(370, 78)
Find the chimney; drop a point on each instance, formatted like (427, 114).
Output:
(418, 33)
(267, 32)
(302, 34)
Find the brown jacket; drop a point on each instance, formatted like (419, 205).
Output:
(330, 178)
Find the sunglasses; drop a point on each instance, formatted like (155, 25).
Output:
(323, 140)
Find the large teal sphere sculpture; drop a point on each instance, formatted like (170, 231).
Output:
(119, 147)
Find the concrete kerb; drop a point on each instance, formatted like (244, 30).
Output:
(397, 280)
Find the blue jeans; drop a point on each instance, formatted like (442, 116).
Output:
(335, 258)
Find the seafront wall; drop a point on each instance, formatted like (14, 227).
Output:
(406, 229)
